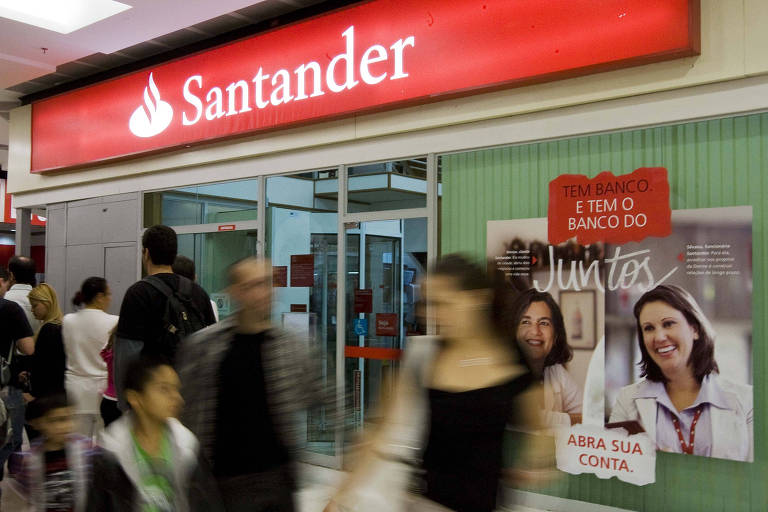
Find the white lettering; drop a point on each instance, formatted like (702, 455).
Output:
(399, 48)
(215, 108)
(367, 60)
(192, 100)
(258, 81)
(301, 74)
(348, 56)
(629, 272)
(282, 92)
(231, 96)
(337, 79)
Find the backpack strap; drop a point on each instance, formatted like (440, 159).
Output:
(184, 291)
(159, 285)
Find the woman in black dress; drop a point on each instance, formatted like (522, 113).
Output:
(46, 372)
(462, 386)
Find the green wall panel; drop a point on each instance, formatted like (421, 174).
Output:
(713, 163)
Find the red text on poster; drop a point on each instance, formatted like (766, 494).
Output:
(279, 276)
(608, 208)
(364, 301)
(303, 270)
(387, 324)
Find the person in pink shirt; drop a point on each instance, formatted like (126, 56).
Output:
(109, 410)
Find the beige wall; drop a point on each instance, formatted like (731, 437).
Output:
(734, 41)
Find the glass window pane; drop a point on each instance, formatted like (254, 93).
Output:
(213, 253)
(301, 240)
(202, 204)
(395, 185)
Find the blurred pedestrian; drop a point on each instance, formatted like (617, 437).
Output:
(160, 310)
(456, 394)
(15, 335)
(184, 266)
(22, 272)
(246, 384)
(150, 461)
(109, 410)
(85, 334)
(55, 471)
(46, 374)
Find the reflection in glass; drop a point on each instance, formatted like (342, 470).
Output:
(392, 185)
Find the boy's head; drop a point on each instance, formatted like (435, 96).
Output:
(52, 416)
(152, 389)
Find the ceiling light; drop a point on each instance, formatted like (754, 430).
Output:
(58, 15)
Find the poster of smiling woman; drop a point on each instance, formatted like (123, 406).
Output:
(637, 318)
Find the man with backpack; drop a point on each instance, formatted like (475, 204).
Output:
(160, 310)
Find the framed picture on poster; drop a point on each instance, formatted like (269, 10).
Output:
(580, 316)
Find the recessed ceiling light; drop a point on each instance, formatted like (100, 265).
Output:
(58, 15)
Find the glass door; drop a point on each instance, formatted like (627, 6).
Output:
(382, 311)
(213, 252)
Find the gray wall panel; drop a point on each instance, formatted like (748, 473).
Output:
(119, 222)
(84, 224)
(120, 272)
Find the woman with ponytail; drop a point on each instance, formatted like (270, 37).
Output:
(86, 332)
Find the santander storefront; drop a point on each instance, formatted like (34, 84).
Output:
(375, 56)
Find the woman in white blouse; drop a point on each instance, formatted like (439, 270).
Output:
(542, 338)
(85, 333)
(682, 403)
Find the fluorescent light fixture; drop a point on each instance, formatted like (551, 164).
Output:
(63, 16)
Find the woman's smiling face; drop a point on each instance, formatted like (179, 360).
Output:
(535, 332)
(667, 336)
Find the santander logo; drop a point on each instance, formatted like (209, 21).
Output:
(154, 116)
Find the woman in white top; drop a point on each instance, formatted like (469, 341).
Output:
(85, 333)
(542, 338)
(682, 402)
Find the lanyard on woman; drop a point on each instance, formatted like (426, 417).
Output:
(688, 448)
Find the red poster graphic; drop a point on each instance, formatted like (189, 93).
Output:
(608, 208)
(279, 277)
(364, 301)
(387, 324)
(302, 270)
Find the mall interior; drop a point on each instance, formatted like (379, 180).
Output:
(423, 125)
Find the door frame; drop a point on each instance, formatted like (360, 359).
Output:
(430, 212)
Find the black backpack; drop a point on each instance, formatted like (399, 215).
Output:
(180, 318)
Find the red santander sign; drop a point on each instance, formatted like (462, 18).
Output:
(376, 55)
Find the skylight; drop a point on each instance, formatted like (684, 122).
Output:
(59, 15)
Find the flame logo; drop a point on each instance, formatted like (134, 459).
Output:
(154, 116)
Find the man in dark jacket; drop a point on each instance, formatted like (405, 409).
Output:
(246, 384)
(141, 323)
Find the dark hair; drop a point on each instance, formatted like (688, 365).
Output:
(561, 352)
(41, 406)
(161, 243)
(469, 276)
(4, 275)
(139, 371)
(23, 270)
(184, 266)
(90, 288)
(702, 358)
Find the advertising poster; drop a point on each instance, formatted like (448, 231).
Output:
(642, 319)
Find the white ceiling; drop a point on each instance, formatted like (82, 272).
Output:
(22, 57)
